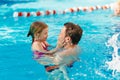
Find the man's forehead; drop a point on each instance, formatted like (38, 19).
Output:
(64, 28)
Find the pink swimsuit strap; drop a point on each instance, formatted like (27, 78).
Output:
(45, 46)
(40, 54)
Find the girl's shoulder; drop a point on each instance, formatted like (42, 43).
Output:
(36, 43)
(36, 46)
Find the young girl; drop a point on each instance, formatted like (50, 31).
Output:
(39, 33)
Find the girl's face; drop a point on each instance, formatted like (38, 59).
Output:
(44, 34)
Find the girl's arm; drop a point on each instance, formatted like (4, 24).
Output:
(37, 47)
(57, 48)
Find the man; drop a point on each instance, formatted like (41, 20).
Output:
(67, 54)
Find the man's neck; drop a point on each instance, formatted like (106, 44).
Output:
(69, 46)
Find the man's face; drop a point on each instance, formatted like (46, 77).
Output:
(61, 37)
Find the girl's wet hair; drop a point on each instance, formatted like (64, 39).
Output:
(36, 27)
(74, 32)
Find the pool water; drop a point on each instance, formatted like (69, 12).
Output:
(100, 43)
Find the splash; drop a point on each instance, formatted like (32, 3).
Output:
(114, 64)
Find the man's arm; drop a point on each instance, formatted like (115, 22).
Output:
(59, 58)
(56, 59)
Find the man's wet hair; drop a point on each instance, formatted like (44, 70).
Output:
(74, 32)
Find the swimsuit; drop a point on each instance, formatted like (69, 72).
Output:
(39, 54)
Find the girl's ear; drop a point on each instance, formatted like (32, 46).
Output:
(36, 35)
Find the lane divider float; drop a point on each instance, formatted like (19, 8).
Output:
(53, 12)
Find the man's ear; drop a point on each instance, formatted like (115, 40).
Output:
(67, 39)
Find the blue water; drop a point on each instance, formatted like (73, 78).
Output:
(16, 61)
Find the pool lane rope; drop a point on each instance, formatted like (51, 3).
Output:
(53, 12)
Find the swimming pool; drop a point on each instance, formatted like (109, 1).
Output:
(100, 43)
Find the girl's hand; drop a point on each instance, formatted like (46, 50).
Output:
(60, 44)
